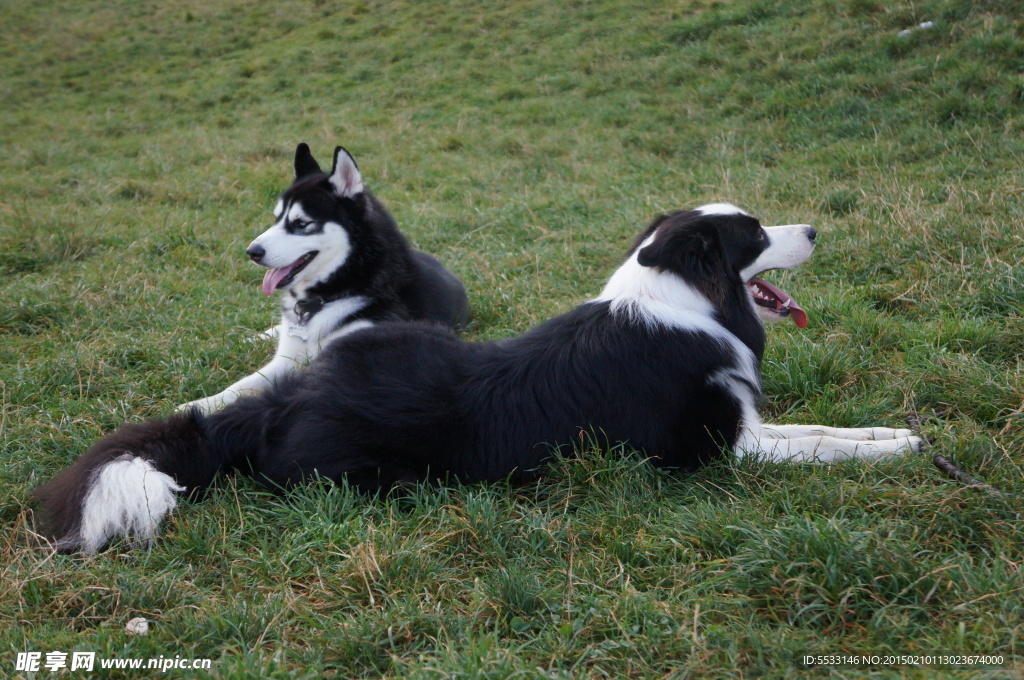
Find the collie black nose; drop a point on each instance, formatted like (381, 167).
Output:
(255, 252)
(812, 233)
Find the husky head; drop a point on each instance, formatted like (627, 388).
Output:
(311, 237)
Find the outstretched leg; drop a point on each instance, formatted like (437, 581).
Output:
(251, 384)
(821, 444)
(855, 433)
(818, 449)
(290, 355)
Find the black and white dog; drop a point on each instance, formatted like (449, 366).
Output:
(343, 265)
(666, 359)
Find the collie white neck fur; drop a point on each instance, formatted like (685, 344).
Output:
(658, 298)
(655, 297)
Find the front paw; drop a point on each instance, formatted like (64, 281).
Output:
(890, 433)
(208, 405)
(273, 333)
(202, 405)
(915, 444)
(882, 449)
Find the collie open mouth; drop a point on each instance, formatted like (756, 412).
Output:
(282, 276)
(776, 301)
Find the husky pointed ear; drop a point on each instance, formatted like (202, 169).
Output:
(305, 164)
(345, 177)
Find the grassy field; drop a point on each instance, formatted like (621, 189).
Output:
(525, 144)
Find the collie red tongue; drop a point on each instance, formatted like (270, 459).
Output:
(766, 294)
(275, 276)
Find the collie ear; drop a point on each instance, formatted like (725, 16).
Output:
(345, 177)
(694, 252)
(678, 247)
(305, 164)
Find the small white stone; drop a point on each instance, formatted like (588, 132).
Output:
(137, 626)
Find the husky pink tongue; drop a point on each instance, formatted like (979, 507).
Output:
(782, 301)
(275, 276)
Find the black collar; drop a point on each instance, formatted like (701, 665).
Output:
(306, 308)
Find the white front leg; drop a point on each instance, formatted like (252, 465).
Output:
(292, 353)
(825, 449)
(250, 384)
(855, 433)
(272, 333)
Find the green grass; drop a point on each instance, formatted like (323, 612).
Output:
(525, 144)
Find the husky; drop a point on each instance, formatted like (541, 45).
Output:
(667, 359)
(340, 263)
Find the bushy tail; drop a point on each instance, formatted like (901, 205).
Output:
(128, 482)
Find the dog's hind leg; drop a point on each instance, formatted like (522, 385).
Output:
(855, 433)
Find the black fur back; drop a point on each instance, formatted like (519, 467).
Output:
(410, 401)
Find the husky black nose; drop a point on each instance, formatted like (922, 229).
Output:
(255, 252)
(812, 233)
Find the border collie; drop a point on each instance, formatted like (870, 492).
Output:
(665, 359)
(342, 264)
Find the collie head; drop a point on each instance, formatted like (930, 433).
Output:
(696, 263)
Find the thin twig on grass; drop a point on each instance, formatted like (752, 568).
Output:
(961, 476)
